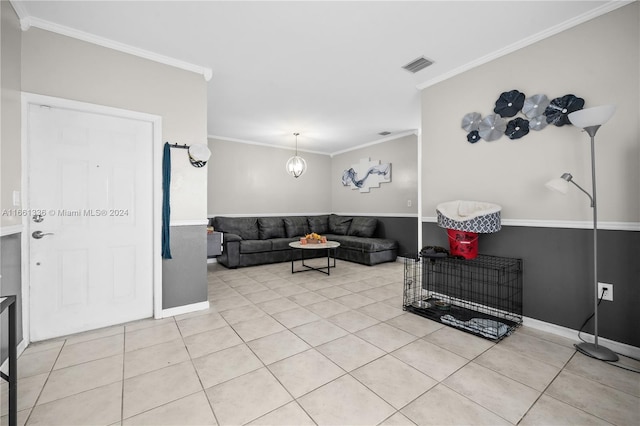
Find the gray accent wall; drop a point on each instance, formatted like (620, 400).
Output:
(402, 229)
(10, 284)
(184, 278)
(558, 274)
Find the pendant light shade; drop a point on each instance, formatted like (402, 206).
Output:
(296, 165)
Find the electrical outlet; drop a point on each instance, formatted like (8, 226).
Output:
(608, 291)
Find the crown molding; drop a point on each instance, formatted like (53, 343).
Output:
(376, 142)
(29, 21)
(266, 145)
(593, 13)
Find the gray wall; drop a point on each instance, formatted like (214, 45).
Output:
(10, 284)
(249, 179)
(389, 198)
(557, 260)
(558, 275)
(184, 275)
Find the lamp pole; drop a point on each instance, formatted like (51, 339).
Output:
(593, 349)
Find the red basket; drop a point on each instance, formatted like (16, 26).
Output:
(463, 243)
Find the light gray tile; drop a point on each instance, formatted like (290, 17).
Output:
(353, 321)
(459, 342)
(550, 411)
(290, 414)
(531, 372)
(225, 365)
(442, 406)
(230, 302)
(200, 323)
(192, 410)
(150, 390)
(242, 313)
(295, 317)
(150, 336)
(327, 308)
(82, 377)
(381, 311)
(386, 337)
(262, 296)
(499, 394)
(398, 419)
(350, 352)
(540, 349)
(242, 399)
(333, 292)
(94, 334)
(431, 359)
(36, 363)
(98, 406)
(290, 290)
(154, 358)
(345, 401)
(211, 341)
(354, 301)
(277, 305)
(277, 346)
(45, 345)
(147, 323)
(305, 371)
(415, 324)
(610, 404)
(393, 380)
(308, 298)
(258, 327)
(604, 373)
(90, 350)
(318, 332)
(29, 389)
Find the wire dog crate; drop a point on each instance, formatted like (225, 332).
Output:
(482, 296)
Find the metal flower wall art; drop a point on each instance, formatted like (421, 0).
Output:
(537, 110)
(366, 175)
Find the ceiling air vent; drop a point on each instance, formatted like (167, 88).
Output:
(418, 64)
(385, 133)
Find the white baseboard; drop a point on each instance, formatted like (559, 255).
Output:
(621, 348)
(179, 310)
(212, 260)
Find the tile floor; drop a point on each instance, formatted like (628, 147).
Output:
(283, 349)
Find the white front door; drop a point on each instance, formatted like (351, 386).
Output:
(90, 177)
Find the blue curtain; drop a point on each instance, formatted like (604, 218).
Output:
(166, 208)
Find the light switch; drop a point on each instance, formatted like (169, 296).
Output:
(16, 198)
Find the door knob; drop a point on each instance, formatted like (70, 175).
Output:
(39, 234)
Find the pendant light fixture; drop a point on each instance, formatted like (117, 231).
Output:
(296, 166)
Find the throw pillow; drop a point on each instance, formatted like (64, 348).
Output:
(363, 227)
(339, 225)
(319, 224)
(271, 227)
(296, 226)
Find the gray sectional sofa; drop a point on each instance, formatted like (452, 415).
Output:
(251, 241)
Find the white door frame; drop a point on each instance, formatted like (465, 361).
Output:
(156, 122)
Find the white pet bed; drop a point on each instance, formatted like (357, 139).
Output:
(469, 216)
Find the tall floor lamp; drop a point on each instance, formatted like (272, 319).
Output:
(590, 120)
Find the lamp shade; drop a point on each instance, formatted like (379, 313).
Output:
(595, 116)
(558, 184)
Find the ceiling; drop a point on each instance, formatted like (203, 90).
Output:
(330, 70)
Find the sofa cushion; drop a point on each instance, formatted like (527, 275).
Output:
(271, 227)
(339, 225)
(364, 244)
(319, 224)
(363, 227)
(281, 243)
(255, 246)
(296, 226)
(246, 227)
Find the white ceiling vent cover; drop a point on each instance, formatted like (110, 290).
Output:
(418, 64)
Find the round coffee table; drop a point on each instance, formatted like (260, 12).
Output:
(328, 246)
